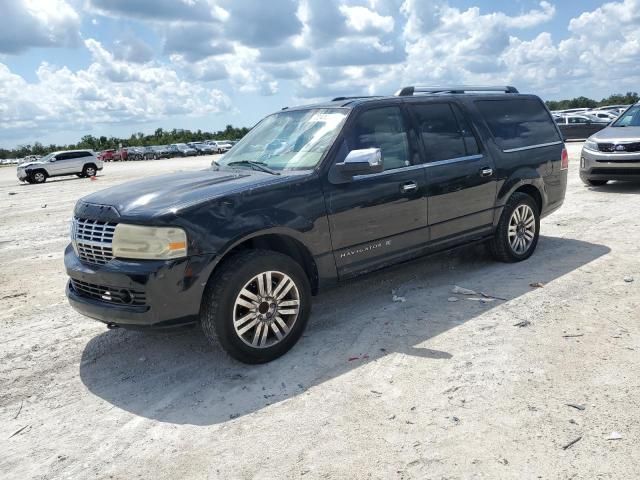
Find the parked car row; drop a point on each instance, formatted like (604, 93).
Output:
(155, 152)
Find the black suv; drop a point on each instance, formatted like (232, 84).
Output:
(309, 197)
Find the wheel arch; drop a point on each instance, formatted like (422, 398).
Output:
(532, 186)
(278, 241)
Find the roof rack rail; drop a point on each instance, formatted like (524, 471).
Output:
(337, 99)
(409, 91)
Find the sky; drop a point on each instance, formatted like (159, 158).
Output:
(69, 68)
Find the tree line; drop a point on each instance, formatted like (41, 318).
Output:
(585, 102)
(159, 137)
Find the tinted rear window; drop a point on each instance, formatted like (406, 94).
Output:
(518, 122)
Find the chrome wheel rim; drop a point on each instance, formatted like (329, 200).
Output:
(266, 309)
(39, 177)
(90, 172)
(522, 229)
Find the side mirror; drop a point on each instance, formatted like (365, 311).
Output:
(362, 162)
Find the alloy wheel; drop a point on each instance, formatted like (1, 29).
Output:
(266, 309)
(522, 229)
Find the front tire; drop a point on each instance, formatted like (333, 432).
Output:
(256, 306)
(517, 234)
(38, 177)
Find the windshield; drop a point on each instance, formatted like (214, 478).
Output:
(630, 118)
(294, 140)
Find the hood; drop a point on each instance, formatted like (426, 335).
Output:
(617, 134)
(30, 164)
(169, 194)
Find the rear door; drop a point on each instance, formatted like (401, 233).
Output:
(379, 217)
(461, 178)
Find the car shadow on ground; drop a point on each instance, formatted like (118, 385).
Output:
(178, 378)
(618, 187)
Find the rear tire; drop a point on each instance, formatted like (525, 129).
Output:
(89, 171)
(256, 306)
(516, 236)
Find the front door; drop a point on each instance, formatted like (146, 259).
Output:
(380, 217)
(461, 177)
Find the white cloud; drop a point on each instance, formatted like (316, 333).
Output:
(37, 23)
(108, 91)
(366, 21)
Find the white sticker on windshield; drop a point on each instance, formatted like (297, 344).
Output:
(332, 118)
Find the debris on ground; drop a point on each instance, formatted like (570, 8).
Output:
(463, 291)
(363, 357)
(375, 392)
(480, 299)
(13, 193)
(572, 442)
(577, 406)
(452, 299)
(628, 279)
(15, 295)
(614, 436)
(44, 205)
(572, 335)
(17, 432)
(523, 323)
(19, 410)
(537, 285)
(398, 299)
(486, 295)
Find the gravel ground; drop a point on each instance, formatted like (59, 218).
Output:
(426, 388)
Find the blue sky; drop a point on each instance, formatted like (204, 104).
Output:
(114, 67)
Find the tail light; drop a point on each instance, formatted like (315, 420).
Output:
(564, 161)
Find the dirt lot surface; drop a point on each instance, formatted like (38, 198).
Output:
(424, 388)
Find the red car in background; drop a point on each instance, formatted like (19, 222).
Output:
(113, 155)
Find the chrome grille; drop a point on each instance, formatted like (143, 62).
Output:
(631, 147)
(92, 240)
(115, 295)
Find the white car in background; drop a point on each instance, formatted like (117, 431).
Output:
(219, 146)
(82, 163)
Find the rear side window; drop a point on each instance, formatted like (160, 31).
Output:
(518, 122)
(444, 134)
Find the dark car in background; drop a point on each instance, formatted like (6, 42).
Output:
(202, 148)
(182, 150)
(579, 127)
(310, 197)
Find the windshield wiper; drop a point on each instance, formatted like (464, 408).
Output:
(255, 165)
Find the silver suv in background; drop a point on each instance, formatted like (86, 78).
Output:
(614, 152)
(82, 163)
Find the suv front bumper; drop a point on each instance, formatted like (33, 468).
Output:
(161, 294)
(609, 166)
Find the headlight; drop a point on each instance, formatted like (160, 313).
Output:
(591, 145)
(149, 243)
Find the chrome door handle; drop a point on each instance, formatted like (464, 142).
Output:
(486, 172)
(409, 187)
